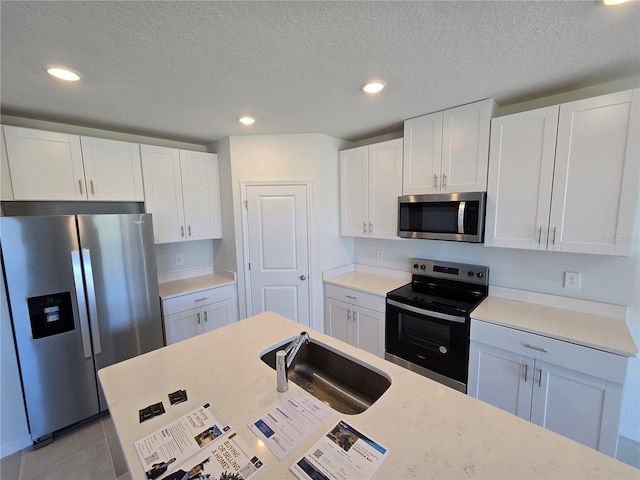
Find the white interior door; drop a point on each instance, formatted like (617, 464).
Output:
(278, 242)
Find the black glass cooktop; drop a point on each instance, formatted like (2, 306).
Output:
(452, 297)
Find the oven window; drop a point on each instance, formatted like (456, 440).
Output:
(423, 334)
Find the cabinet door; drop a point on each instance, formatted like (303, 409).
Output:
(501, 378)
(369, 331)
(45, 165)
(578, 406)
(182, 325)
(354, 188)
(201, 190)
(216, 315)
(112, 169)
(385, 186)
(465, 147)
(520, 178)
(596, 175)
(6, 190)
(339, 320)
(163, 192)
(422, 155)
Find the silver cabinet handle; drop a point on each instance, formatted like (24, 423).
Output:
(444, 180)
(364, 227)
(303, 277)
(91, 299)
(533, 347)
(189, 230)
(198, 318)
(93, 191)
(554, 236)
(200, 299)
(370, 228)
(540, 236)
(205, 317)
(526, 370)
(182, 231)
(351, 297)
(540, 377)
(80, 185)
(348, 315)
(435, 181)
(82, 305)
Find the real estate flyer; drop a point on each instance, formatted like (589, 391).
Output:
(199, 441)
(290, 423)
(342, 454)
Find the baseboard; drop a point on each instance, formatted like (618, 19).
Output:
(628, 451)
(15, 445)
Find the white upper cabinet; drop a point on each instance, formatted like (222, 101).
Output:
(370, 184)
(182, 192)
(595, 182)
(447, 152)
(565, 178)
(45, 165)
(112, 170)
(6, 190)
(520, 179)
(58, 166)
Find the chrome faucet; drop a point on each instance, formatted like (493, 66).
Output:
(284, 359)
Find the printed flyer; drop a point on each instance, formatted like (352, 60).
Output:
(342, 454)
(290, 423)
(197, 445)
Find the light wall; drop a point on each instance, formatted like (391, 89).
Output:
(310, 158)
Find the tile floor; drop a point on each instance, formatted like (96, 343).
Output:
(88, 452)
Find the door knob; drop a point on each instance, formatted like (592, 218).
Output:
(303, 277)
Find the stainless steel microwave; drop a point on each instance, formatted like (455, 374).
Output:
(443, 216)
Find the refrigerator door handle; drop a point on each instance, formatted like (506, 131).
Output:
(82, 304)
(91, 298)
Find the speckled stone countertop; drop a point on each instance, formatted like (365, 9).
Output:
(431, 431)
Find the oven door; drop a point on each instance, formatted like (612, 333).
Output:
(433, 341)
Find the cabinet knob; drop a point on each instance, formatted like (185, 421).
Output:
(303, 277)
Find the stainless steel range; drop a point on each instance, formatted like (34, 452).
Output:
(428, 320)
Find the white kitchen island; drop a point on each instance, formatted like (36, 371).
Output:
(431, 431)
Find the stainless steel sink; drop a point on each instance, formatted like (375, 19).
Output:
(342, 382)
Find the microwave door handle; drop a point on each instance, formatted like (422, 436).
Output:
(461, 209)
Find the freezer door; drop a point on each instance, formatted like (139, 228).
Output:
(122, 286)
(51, 331)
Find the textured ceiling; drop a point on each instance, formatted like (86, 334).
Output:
(186, 70)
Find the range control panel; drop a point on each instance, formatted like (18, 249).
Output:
(460, 272)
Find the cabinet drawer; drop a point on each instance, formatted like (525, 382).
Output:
(197, 299)
(558, 352)
(355, 297)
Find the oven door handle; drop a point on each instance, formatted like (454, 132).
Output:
(428, 313)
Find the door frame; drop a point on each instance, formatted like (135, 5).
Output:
(244, 185)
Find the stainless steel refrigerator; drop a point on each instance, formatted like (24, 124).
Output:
(83, 294)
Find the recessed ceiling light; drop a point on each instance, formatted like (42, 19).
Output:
(374, 86)
(614, 2)
(63, 73)
(247, 120)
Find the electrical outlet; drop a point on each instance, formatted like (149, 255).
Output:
(572, 280)
(179, 260)
(380, 255)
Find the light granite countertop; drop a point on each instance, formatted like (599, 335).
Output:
(577, 325)
(431, 431)
(193, 284)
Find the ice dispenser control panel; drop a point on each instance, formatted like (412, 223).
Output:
(50, 314)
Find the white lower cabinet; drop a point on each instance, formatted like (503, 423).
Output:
(355, 317)
(189, 315)
(572, 390)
